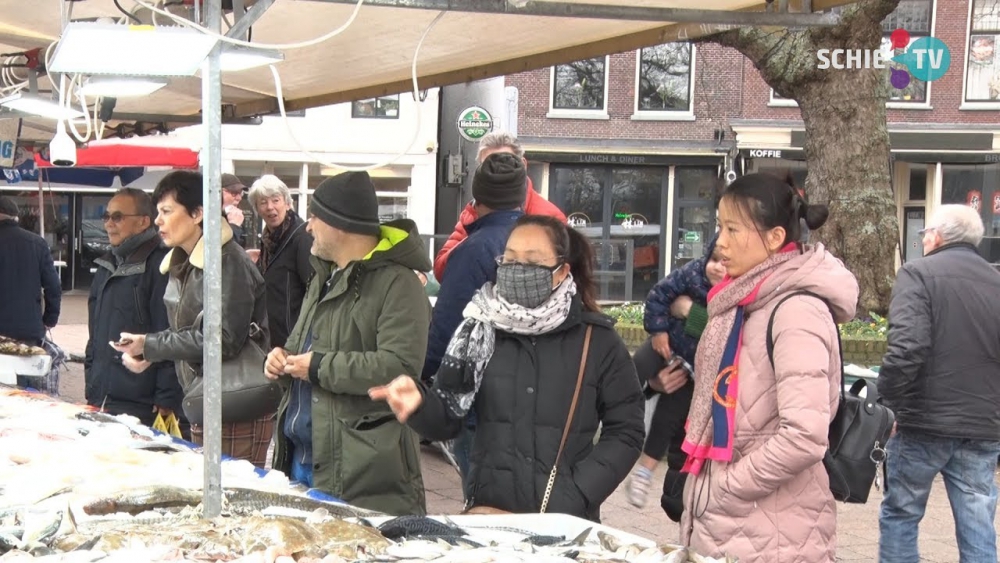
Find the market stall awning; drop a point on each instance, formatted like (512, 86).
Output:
(119, 154)
(475, 39)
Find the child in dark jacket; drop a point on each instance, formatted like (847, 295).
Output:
(675, 315)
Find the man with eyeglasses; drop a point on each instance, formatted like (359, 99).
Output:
(26, 272)
(127, 296)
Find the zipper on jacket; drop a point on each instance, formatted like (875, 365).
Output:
(288, 301)
(138, 305)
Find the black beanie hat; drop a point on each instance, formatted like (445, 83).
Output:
(500, 182)
(347, 202)
(8, 207)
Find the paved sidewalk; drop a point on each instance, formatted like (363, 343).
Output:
(857, 534)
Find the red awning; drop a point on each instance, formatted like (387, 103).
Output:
(124, 155)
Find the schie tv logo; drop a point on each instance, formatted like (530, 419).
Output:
(927, 59)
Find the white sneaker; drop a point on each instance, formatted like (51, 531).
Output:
(638, 486)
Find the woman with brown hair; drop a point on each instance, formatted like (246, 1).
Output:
(180, 216)
(543, 368)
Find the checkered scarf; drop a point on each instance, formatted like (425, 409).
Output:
(470, 349)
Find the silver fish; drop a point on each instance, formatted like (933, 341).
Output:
(142, 499)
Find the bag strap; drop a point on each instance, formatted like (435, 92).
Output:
(569, 418)
(770, 334)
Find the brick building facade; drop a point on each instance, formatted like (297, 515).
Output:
(631, 155)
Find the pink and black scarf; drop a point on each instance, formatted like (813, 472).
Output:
(712, 417)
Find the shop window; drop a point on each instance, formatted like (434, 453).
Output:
(536, 173)
(393, 198)
(636, 200)
(983, 73)
(580, 86)
(918, 182)
(381, 107)
(694, 208)
(979, 187)
(579, 193)
(664, 81)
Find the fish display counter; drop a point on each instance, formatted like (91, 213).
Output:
(80, 486)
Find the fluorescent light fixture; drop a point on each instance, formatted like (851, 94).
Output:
(130, 50)
(237, 57)
(121, 86)
(38, 105)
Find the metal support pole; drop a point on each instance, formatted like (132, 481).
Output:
(211, 163)
(243, 21)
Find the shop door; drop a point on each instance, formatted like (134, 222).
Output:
(90, 239)
(694, 219)
(913, 241)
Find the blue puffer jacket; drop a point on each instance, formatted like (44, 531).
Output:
(471, 264)
(690, 280)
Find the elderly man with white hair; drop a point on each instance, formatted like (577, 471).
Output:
(284, 255)
(941, 376)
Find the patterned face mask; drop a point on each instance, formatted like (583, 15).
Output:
(527, 285)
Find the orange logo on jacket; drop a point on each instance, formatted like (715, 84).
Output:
(728, 374)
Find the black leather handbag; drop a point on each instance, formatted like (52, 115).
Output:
(858, 432)
(247, 394)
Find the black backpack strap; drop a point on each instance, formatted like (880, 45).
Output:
(770, 335)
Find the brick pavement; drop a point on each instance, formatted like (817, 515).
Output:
(857, 524)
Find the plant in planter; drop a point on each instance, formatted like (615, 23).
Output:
(873, 327)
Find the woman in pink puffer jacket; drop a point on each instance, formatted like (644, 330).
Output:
(756, 436)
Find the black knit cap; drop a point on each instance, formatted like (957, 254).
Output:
(347, 202)
(8, 207)
(500, 182)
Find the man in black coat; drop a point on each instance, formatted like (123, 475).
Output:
(26, 269)
(941, 376)
(284, 255)
(127, 296)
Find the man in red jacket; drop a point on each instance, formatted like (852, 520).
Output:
(534, 203)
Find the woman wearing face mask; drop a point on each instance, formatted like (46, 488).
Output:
(515, 359)
(756, 435)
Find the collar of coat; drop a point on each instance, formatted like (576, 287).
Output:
(136, 257)
(197, 257)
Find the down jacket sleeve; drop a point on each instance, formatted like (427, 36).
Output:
(399, 347)
(656, 316)
(241, 286)
(804, 339)
(621, 408)
(432, 420)
(467, 217)
(909, 338)
(470, 270)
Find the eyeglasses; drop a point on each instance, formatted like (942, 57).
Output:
(501, 262)
(923, 232)
(117, 216)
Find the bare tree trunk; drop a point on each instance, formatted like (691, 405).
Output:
(847, 142)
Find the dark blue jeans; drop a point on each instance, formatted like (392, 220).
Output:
(967, 467)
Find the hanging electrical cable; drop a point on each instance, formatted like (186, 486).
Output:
(283, 46)
(416, 97)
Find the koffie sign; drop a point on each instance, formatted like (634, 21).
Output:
(474, 123)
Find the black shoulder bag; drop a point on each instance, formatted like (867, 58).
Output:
(859, 430)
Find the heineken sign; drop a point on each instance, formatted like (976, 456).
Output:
(474, 123)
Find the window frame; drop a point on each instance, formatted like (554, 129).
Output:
(666, 115)
(356, 115)
(975, 104)
(566, 113)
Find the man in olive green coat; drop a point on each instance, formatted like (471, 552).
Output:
(364, 321)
